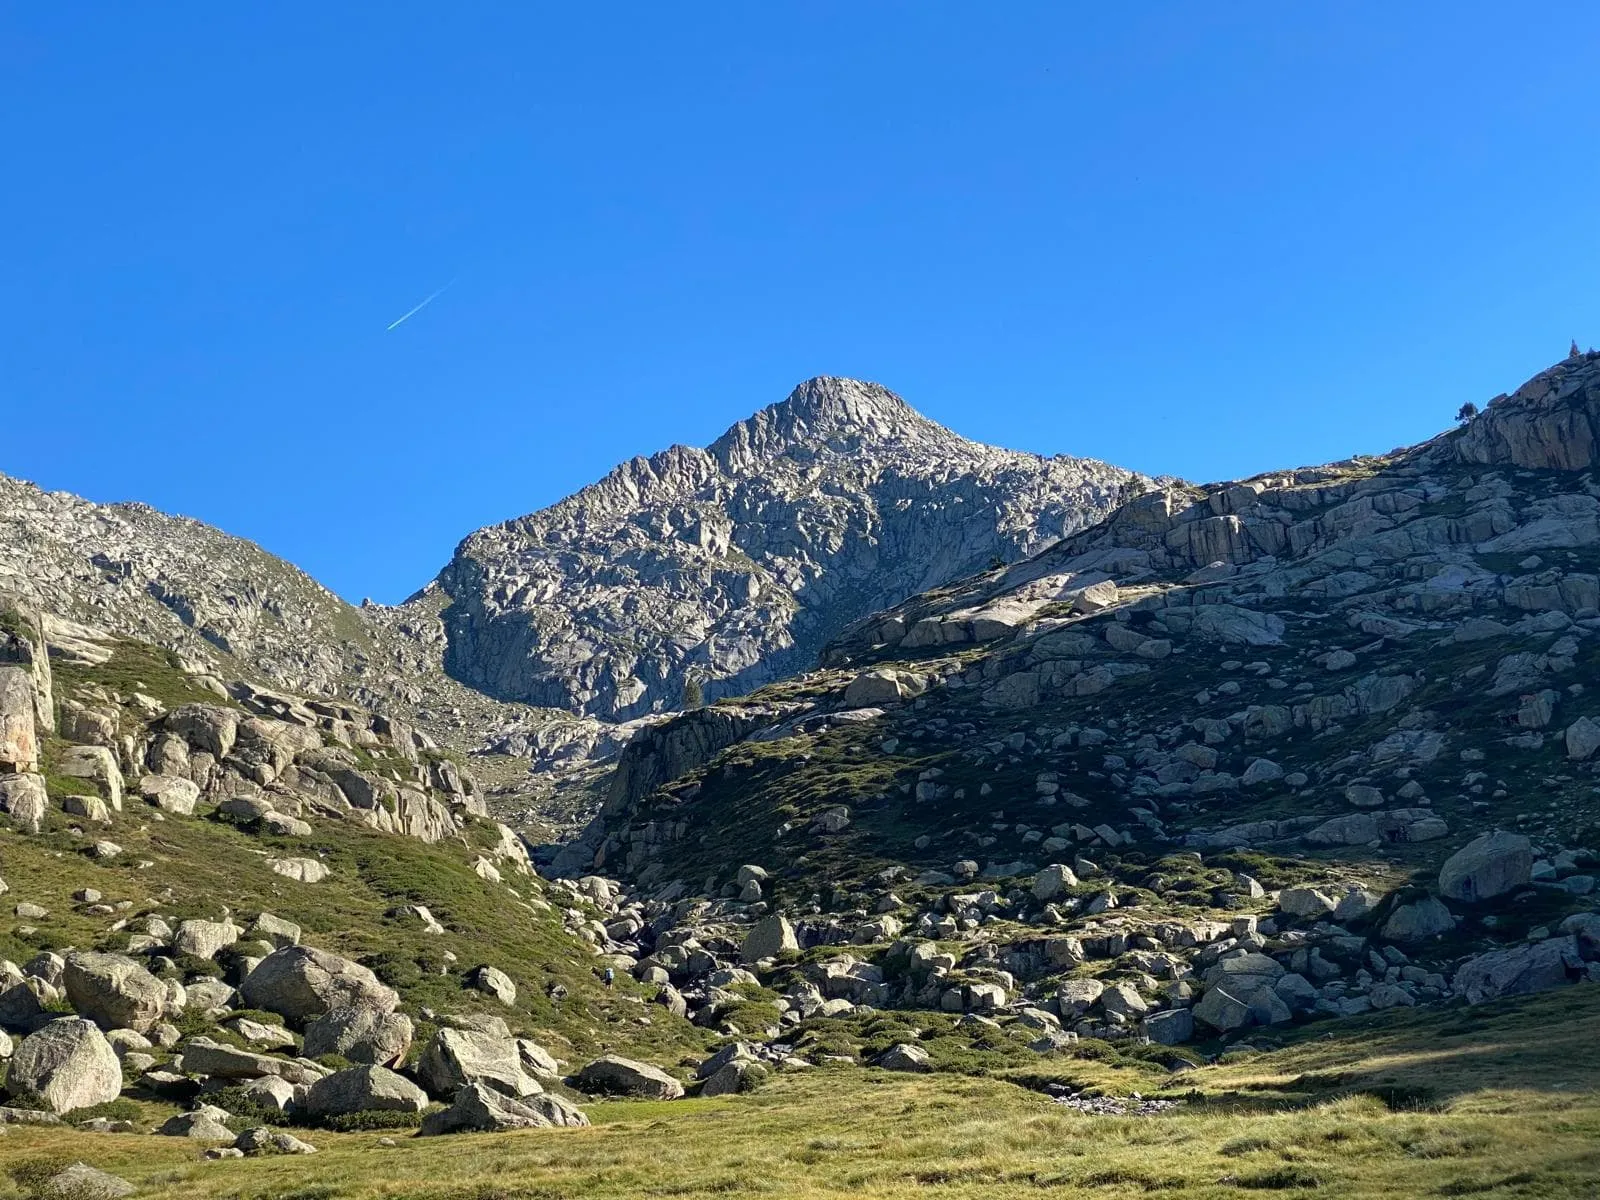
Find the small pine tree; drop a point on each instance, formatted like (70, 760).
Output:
(694, 696)
(1575, 352)
(1466, 412)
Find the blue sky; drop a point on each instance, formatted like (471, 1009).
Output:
(1199, 239)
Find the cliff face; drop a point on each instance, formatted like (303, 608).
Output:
(733, 565)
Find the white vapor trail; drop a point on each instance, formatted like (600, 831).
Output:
(420, 307)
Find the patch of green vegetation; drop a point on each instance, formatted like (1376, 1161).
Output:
(138, 667)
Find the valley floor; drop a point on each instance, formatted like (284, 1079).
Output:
(1498, 1101)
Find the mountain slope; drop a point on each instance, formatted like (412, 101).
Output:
(1308, 698)
(733, 565)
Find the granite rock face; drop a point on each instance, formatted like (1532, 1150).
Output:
(733, 565)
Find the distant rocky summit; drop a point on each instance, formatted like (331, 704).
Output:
(726, 568)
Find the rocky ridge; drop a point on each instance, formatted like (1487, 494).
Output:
(731, 566)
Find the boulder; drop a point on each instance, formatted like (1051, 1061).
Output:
(1170, 1028)
(361, 1035)
(740, 1075)
(904, 1057)
(263, 1139)
(614, 1075)
(1052, 881)
(19, 742)
(203, 1056)
(494, 982)
(479, 1109)
(768, 938)
(1583, 739)
(205, 1124)
(67, 1064)
(457, 1057)
(1519, 970)
(364, 1089)
(113, 991)
(1418, 921)
(1490, 865)
(98, 765)
(301, 870)
(1222, 1010)
(1075, 997)
(281, 933)
(25, 799)
(170, 793)
(1307, 902)
(203, 939)
(83, 1182)
(300, 983)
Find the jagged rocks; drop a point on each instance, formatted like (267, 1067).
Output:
(361, 1034)
(364, 1089)
(66, 1065)
(768, 938)
(299, 983)
(457, 1057)
(1519, 970)
(478, 1109)
(618, 1076)
(114, 991)
(1488, 866)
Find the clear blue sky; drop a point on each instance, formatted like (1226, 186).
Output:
(1206, 239)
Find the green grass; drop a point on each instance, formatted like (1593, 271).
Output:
(1511, 1111)
(197, 864)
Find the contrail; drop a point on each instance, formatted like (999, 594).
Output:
(421, 306)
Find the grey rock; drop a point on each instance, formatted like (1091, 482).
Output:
(904, 1057)
(361, 1035)
(479, 1109)
(618, 1076)
(1488, 866)
(768, 938)
(1519, 970)
(83, 1182)
(494, 982)
(68, 1064)
(300, 983)
(456, 1057)
(114, 991)
(263, 1139)
(364, 1089)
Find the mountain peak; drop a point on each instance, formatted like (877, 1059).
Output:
(825, 410)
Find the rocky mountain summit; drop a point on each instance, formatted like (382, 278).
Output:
(732, 566)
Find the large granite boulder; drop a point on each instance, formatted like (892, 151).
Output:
(1489, 865)
(114, 991)
(614, 1075)
(480, 1109)
(299, 982)
(67, 1064)
(363, 1089)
